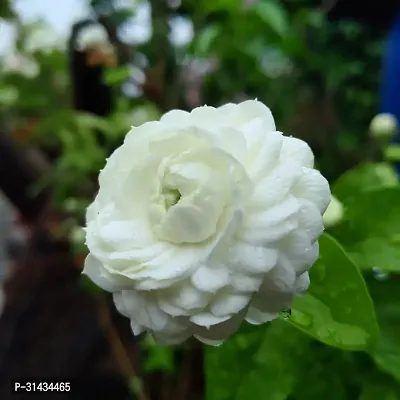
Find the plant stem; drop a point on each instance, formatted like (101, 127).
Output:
(117, 347)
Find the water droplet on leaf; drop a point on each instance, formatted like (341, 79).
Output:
(285, 313)
(380, 275)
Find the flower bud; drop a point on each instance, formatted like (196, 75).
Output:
(334, 213)
(383, 126)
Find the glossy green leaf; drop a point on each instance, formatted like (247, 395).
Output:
(364, 177)
(205, 40)
(386, 353)
(256, 364)
(274, 15)
(337, 309)
(115, 76)
(371, 232)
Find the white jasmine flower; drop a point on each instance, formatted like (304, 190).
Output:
(205, 219)
(383, 126)
(334, 213)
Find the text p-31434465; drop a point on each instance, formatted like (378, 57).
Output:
(33, 386)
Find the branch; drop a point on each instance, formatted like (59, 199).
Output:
(117, 347)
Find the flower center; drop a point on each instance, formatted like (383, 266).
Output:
(171, 197)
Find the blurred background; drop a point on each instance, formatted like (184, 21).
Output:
(75, 75)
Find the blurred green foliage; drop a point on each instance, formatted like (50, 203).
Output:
(310, 72)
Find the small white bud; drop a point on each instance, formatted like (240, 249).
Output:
(383, 126)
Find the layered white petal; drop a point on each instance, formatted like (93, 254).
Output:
(204, 219)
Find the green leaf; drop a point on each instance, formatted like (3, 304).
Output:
(88, 286)
(120, 16)
(251, 365)
(158, 358)
(115, 76)
(320, 384)
(371, 232)
(86, 121)
(6, 10)
(386, 353)
(392, 153)
(364, 177)
(205, 39)
(320, 380)
(337, 309)
(9, 95)
(274, 15)
(378, 391)
(210, 6)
